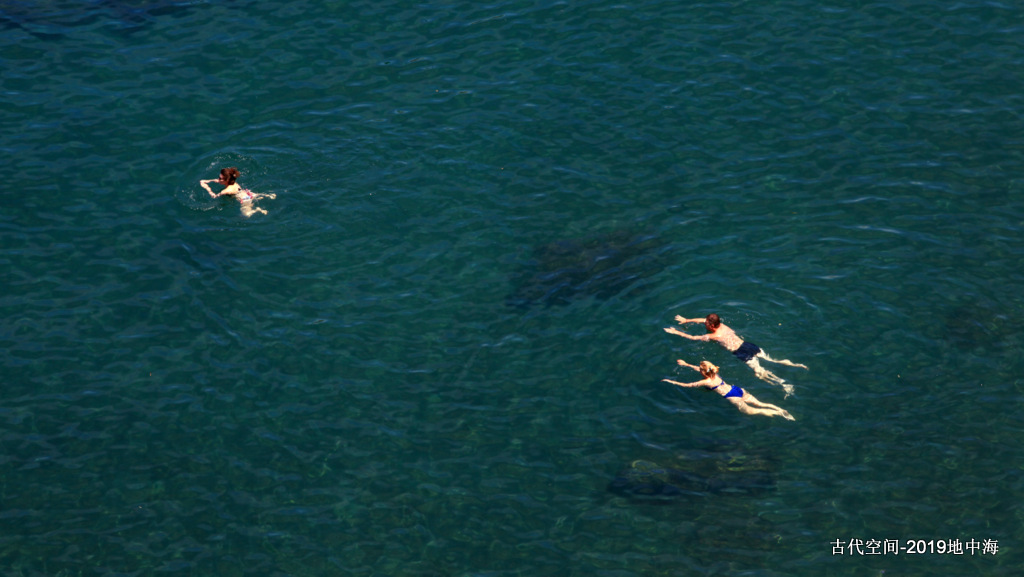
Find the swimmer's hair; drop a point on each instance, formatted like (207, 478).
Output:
(713, 320)
(229, 175)
(708, 369)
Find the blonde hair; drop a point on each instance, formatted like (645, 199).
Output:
(708, 368)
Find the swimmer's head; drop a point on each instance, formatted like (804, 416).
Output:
(229, 175)
(707, 369)
(712, 322)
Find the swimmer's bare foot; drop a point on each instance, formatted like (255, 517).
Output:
(786, 414)
(788, 388)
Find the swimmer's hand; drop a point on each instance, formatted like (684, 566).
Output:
(675, 331)
(205, 184)
(683, 363)
(688, 385)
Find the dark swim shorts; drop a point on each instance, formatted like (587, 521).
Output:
(747, 351)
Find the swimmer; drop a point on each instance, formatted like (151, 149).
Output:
(744, 401)
(743, 350)
(246, 197)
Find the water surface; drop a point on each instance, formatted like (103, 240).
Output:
(350, 385)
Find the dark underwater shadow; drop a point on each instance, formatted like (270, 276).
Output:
(711, 492)
(979, 323)
(55, 20)
(601, 266)
(648, 482)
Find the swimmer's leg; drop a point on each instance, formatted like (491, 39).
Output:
(775, 409)
(249, 210)
(772, 412)
(767, 376)
(755, 402)
(788, 363)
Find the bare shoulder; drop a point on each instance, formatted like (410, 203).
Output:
(723, 333)
(726, 333)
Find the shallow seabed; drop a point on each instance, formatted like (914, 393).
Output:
(445, 340)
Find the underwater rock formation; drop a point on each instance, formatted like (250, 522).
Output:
(54, 20)
(601, 267)
(979, 324)
(648, 481)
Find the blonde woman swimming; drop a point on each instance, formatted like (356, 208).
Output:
(743, 400)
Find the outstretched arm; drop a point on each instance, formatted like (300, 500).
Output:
(683, 363)
(681, 320)
(687, 385)
(675, 331)
(205, 184)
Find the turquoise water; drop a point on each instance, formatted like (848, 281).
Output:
(445, 339)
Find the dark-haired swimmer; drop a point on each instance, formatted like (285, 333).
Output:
(744, 401)
(745, 351)
(228, 178)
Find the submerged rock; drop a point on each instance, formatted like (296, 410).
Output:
(55, 20)
(648, 480)
(601, 267)
(978, 323)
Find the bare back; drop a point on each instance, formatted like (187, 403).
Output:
(726, 337)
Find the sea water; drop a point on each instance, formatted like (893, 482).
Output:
(440, 346)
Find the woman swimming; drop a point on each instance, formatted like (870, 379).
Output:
(246, 197)
(743, 400)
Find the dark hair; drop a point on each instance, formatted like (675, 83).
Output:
(713, 320)
(229, 175)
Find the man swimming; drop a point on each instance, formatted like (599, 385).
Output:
(743, 350)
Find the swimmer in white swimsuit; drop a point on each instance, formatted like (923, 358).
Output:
(246, 197)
